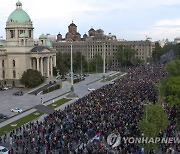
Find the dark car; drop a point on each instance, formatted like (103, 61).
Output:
(18, 93)
(2, 116)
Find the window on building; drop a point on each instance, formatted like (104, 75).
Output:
(14, 63)
(22, 31)
(14, 74)
(22, 42)
(12, 34)
(3, 74)
(2, 63)
(30, 34)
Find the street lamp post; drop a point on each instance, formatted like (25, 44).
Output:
(146, 104)
(72, 88)
(104, 62)
(72, 94)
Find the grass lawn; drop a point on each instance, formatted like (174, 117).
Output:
(29, 117)
(113, 76)
(58, 103)
(20, 122)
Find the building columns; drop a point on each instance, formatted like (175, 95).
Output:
(51, 66)
(47, 66)
(42, 66)
(37, 66)
(54, 60)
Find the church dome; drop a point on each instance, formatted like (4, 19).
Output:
(19, 16)
(49, 44)
(42, 36)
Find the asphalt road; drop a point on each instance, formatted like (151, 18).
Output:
(9, 101)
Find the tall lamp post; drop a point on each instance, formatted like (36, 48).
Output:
(72, 93)
(104, 62)
(146, 105)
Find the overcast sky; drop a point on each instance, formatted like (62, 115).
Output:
(127, 19)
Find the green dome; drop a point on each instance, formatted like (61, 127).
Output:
(42, 36)
(19, 15)
(48, 44)
(23, 35)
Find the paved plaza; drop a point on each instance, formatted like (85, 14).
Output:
(27, 101)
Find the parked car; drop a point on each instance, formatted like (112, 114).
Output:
(18, 93)
(91, 89)
(2, 116)
(5, 88)
(85, 75)
(3, 150)
(16, 110)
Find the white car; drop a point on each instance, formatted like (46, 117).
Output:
(5, 88)
(16, 110)
(91, 89)
(3, 150)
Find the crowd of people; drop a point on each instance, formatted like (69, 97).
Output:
(84, 126)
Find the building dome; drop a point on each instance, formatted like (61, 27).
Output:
(19, 16)
(72, 25)
(42, 36)
(48, 44)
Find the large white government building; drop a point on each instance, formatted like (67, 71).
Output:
(19, 52)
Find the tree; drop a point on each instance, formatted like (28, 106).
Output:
(96, 64)
(154, 121)
(157, 52)
(170, 89)
(63, 62)
(176, 49)
(125, 55)
(79, 62)
(148, 130)
(119, 54)
(170, 86)
(172, 68)
(32, 78)
(60, 63)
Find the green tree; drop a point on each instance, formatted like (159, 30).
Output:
(170, 86)
(32, 78)
(157, 52)
(154, 121)
(79, 62)
(96, 64)
(63, 62)
(67, 59)
(119, 54)
(125, 55)
(170, 89)
(176, 49)
(172, 68)
(149, 130)
(60, 63)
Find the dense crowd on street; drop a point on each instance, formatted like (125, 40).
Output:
(84, 126)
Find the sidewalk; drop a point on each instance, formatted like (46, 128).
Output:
(80, 89)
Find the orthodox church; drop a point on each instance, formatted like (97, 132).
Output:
(19, 51)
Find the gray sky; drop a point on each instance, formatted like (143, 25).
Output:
(127, 19)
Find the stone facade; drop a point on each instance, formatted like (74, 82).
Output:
(97, 42)
(18, 52)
